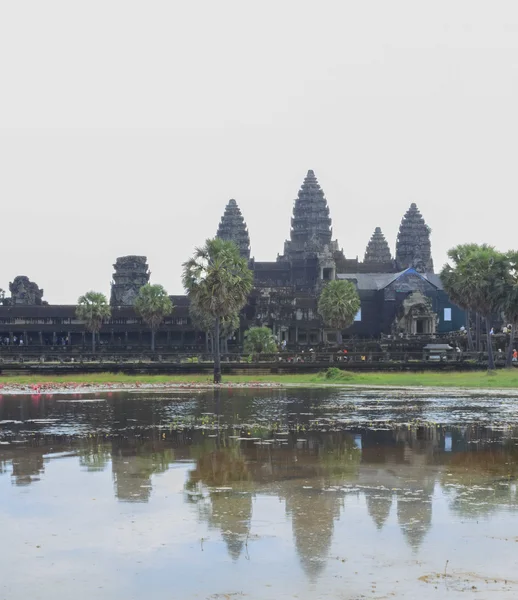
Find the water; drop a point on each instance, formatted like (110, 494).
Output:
(259, 494)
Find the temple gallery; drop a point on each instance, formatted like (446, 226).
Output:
(400, 294)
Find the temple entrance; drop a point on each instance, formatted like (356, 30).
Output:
(417, 316)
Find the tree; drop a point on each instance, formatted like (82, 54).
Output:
(259, 340)
(459, 285)
(153, 305)
(483, 274)
(510, 303)
(93, 309)
(338, 304)
(204, 322)
(218, 281)
(229, 325)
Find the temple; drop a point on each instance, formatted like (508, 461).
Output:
(400, 294)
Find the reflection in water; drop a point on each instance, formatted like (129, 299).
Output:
(235, 455)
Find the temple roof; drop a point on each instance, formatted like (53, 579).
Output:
(233, 227)
(413, 248)
(377, 250)
(379, 281)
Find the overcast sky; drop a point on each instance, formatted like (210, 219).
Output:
(127, 126)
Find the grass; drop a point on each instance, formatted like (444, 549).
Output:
(477, 379)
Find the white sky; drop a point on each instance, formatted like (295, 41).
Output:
(125, 127)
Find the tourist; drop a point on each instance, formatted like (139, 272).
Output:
(515, 355)
(21, 342)
(492, 331)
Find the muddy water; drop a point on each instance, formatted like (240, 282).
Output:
(261, 494)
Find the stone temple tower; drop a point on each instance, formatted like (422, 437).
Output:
(377, 250)
(131, 273)
(233, 227)
(311, 223)
(413, 248)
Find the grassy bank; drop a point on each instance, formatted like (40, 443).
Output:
(477, 379)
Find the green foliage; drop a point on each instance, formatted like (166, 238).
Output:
(259, 340)
(334, 374)
(153, 305)
(510, 300)
(456, 282)
(217, 279)
(478, 279)
(93, 309)
(229, 325)
(338, 304)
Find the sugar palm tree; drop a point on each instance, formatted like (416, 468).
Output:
(459, 285)
(218, 281)
(153, 305)
(485, 274)
(338, 305)
(510, 303)
(93, 309)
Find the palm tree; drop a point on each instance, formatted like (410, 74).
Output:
(486, 273)
(510, 303)
(93, 309)
(338, 305)
(460, 289)
(202, 322)
(218, 281)
(229, 325)
(153, 305)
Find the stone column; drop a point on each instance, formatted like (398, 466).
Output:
(182, 339)
(112, 338)
(25, 339)
(168, 338)
(11, 336)
(83, 339)
(69, 336)
(40, 338)
(125, 337)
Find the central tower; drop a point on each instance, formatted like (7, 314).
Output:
(311, 224)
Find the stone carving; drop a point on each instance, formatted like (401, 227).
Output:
(413, 248)
(25, 292)
(233, 227)
(377, 250)
(131, 273)
(416, 315)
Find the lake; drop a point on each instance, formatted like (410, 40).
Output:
(258, 494)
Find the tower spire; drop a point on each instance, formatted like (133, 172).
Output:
(413, 247)
(311, 223)
(377, 250)
(233, 227)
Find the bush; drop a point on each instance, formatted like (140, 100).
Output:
(335, 374)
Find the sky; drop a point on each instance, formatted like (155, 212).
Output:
(125, 127)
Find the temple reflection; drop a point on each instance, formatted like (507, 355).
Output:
(393, 475)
